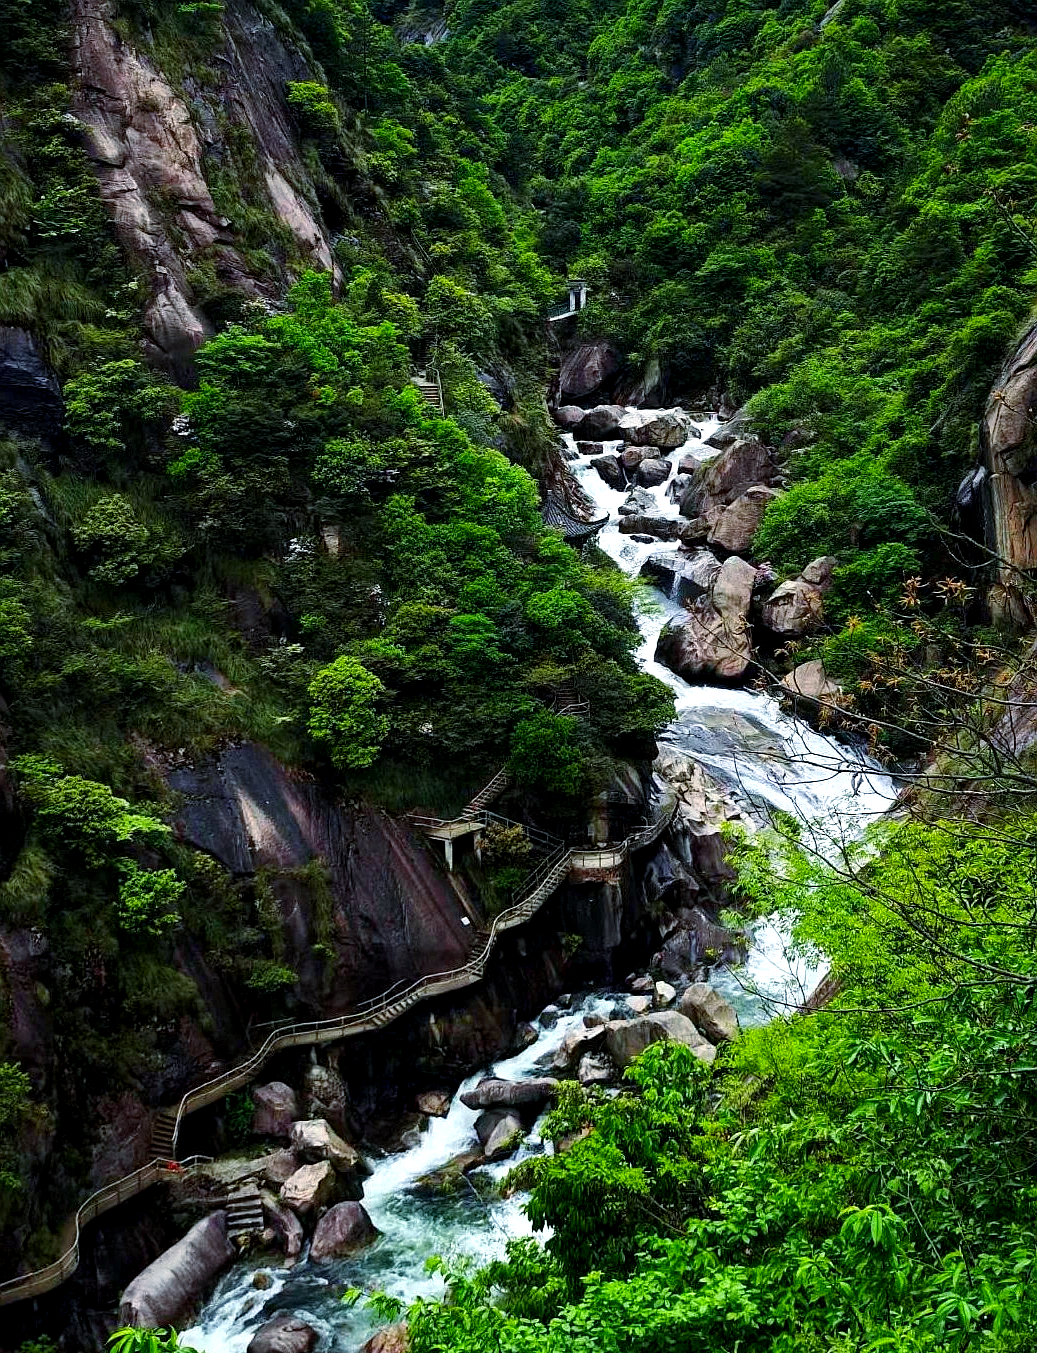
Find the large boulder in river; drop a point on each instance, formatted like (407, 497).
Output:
(742, 465)
(494, 1093)
(712, 1015)
(809, 681)
(683, 577)
(628, 1038)
(314, 1140)
(275, 1109)
(611, 471)
(738, 523)
(390, 1339)
(568, 416)
(174, 1286)
(604, 422)
(712, 641)
(653, 471)
(310, 1188)
(343, 1230)
(587, 368)
(663, 528)
(638, 503)
(286, 1333)
(669, 428)
(498, 1131)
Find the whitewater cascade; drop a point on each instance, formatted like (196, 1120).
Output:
(767, 760)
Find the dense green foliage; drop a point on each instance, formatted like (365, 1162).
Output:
(825, 213)
(857, 1179)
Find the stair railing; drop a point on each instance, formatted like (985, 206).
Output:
(368, 1015)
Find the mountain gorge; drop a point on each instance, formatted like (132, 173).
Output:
(290, 417)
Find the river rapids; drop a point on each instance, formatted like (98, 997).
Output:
(766, 760)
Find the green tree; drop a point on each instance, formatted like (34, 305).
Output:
(343, 713)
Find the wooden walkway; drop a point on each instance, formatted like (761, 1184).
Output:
(366, 1018)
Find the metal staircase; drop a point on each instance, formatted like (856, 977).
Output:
(366, 1018)
(244, 1214)
(431, 391)
(163, 1134)
(488, 794)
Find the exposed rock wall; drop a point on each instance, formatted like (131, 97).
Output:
(1008, 450)
(394, 915)
(153, 145)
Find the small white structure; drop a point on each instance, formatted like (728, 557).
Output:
(577, 301)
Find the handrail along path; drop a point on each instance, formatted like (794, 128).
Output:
(364, 1018)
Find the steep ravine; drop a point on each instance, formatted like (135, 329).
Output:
(755, 756)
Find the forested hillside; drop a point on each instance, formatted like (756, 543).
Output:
(230, 236)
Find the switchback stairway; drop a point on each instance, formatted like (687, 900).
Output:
(365, 1018)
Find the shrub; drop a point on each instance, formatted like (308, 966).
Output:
(343, 715)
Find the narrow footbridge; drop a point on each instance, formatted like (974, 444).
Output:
(367, 1017)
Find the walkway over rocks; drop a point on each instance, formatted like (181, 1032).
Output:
(368, 1017)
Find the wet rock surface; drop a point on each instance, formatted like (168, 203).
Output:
(30, 392)
(286, 1333)
(342, 1230)
(494, 1093)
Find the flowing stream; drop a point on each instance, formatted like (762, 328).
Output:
(767, 760)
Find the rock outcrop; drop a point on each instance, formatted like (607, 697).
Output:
(587, 368)
(712, 1015)
(153, 144)
(393, 915)
(1008, 452)
(174, 1285)
(30, 393)
(343, 1230)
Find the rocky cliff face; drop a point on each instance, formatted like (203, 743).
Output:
(160, 145)
(1007, 481)
(389, 913)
